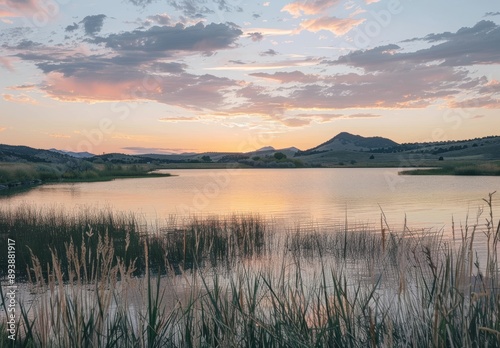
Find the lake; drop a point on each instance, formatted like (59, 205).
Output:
(358, 270)
(305, 197)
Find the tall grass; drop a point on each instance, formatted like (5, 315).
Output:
(342, 289)
(211, 241)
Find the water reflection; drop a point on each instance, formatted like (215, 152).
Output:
(320, 196)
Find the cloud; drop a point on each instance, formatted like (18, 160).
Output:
(156, 150)
(4, 13)
(2, 129)
(301, 120)
(256, 36)
(59, 136)
(22, 99)
(311, 7)
(184, 90)
(18, 8)
(338, 26)
(288, 77)
(363, 116)
(72, 27)
(177, 38)
(296, 122)
(91, 87)
(418, 87)
(93, 24)
(170, 67)
(239, 62)
(178, 119)
(269, 52)
(269, 66)
(6, 63)
(27, 45)
(491, 14)
(196, 8)
(468, 46)
(485, 102)
(141, 2)
(161, 19)
(22, 87)
(368, 2)
(271, 31)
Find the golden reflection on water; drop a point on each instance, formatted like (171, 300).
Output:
(296, 196)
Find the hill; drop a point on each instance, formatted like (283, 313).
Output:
(343, 150)
(349, 142)
(10, 153)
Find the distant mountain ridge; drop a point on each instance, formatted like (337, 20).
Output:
(74, 154)
(341, 148)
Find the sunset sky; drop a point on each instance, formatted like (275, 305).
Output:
(169, 76)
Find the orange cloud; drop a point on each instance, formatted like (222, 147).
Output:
(23, 98)
(4, 13)
(59, 136)
(178, 119)
(338, 26)
(309, 7)
(2, 129)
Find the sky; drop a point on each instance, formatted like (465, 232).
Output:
(173, 76)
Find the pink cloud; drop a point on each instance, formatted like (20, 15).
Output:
(13, 8)
(79, 89)
(6, 63)
(4, 13)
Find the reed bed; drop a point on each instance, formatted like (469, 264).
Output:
(339, 288)
(194, 242)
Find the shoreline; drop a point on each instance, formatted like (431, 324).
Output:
(21, 186)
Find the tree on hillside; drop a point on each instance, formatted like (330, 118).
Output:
(279, 156)
(206, 158)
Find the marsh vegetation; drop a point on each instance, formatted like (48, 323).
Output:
(104, 279)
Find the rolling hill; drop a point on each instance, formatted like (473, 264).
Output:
(344, 149)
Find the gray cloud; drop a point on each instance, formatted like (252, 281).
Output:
(142, 3)
(170, 67)
(93, 24)
(491, 14)
(161, 19)
(27, 45)
(72, 27)
(195, 9)
(269, 52)
(256, 36)
(468, 46)
(177, 38)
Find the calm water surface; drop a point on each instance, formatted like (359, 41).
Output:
(297, 196)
